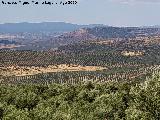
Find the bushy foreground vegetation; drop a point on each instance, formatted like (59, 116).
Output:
(86, 101)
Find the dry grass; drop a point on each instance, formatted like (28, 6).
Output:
(22, 71)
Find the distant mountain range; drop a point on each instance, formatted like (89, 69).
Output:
(42, 27)
(71, 33)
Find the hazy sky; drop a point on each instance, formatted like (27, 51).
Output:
(109, 12)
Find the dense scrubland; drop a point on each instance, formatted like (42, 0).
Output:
(84, 101)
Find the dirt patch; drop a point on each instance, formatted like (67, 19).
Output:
(132, 53)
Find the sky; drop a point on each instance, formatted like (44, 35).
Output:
(108, 12)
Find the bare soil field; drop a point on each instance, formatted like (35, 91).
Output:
(23, 71)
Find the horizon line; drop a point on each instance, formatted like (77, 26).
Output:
(77, 23)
